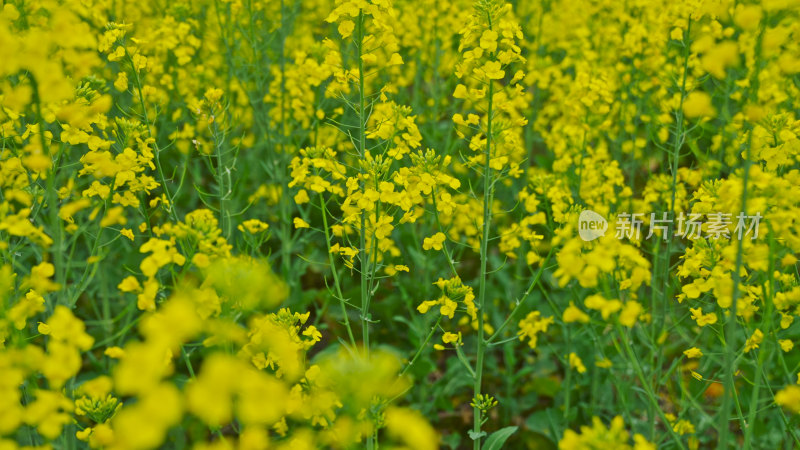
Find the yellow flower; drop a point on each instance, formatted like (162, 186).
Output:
(127, 232)
(786, 345)
(451, 338)
(630, 313)
(253, 226)
(604, 363)
(121, 83)
(434, 242)
(683, 427)
(39, 279)
(146, 300)
(703, 319)
(719, 57)
(26, 308)
(532, 325)
(130, 284)
(448, 308)
(574, 314)
(693, 352)
(369, 58)
(163, 253)
(213, 95)
(698, 104)
(346, 28)
(83, 435)
(460, 92)
(70, 209)
(493, 71)
(489, 40)
(576, 363)
(786, 320)
(114, 216)
(425, 306)
(300, 223)
(114, 352)
(393, 270)
(598, 436)
(789, 398)
(201, 260)
(301, 197)
(599, 303)
(145, 423)
(410, 427)
(754, 340)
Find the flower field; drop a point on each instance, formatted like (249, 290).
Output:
(399, 224)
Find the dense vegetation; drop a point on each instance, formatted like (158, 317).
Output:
(399, 224)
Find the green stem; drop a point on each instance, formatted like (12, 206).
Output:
(647, 388)
(731, 321)
(157, 151)
(336, 283)
(487, 217)
(223, 188)
(450, 261)
(567, 378)
(422, 347)
(51, 193)
(521, 301)
(762, 353)
(283, 157)
(362, 251)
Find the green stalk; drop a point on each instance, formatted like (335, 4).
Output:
(647, 388)
(751, 415)
(157, 151)
(731, 321)
(521, 301)
(362, 251)
(487, 217)
(567, 378)
(421, 347)
(680, 136)
(52, 195)
(336, 283)
(283, 158)
(222, 187)
(441, 230)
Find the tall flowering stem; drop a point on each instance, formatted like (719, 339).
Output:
(489, 52)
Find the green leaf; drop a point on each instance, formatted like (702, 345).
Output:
(498, 438)
(475, 436)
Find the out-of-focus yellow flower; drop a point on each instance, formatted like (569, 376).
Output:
(754, 340)
(253, 226)
(576, 363)
(693, 352)
(789, 398)
(698, 104)
(300, 223)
